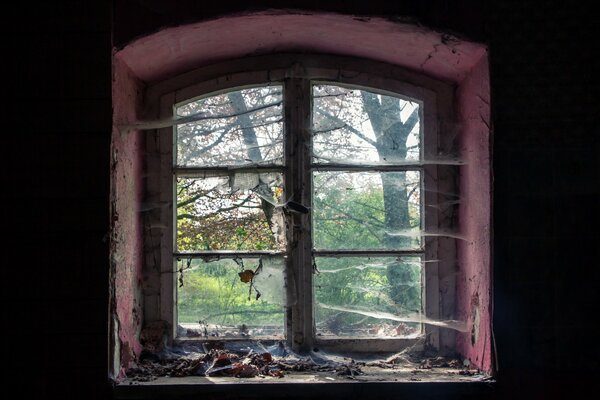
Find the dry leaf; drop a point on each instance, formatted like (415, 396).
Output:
(246, 276)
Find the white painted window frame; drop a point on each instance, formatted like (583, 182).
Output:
(297, 73)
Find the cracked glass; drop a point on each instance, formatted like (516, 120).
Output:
(234, 212)
(230, 298)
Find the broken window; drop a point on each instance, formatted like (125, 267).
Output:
(300, 214)
(229, 212)
(307, 207)
(230, 226)
(234, 297)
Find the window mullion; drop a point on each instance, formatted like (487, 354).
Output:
(299, 312)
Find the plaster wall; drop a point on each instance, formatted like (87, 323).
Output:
(126, 229)
(474, 257)
(176, 50)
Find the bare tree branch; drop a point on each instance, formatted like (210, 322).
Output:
(219, 211)
(350, 216)
(202, 116)
(346, 126)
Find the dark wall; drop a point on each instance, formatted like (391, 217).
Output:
(55, 153)
(56, 180)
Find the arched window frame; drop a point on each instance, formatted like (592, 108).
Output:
(296, 72)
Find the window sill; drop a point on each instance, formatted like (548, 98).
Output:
(439, 382)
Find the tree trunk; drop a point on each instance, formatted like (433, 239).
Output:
(252, 149)
(391, 135)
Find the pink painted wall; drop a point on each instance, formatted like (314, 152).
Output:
(126, 234)
(474, 255)
(176, 50)
(180, 49)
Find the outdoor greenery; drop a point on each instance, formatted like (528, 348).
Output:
(350, 211)
(212, 293)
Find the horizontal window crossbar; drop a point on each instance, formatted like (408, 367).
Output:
(204, 172)
(368, 253)
(227, 254)
(370, 345)
(367, 167)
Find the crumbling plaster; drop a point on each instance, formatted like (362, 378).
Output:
(126, 242)
(474, 283)
(177, 50)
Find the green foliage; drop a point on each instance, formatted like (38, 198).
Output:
(349, 211)
(212, 218)
(213, 293)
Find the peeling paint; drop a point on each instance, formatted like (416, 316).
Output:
(474, 285)
(475, 319)
(154, 336)
(125, 244)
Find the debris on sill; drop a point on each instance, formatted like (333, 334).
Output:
(232, 363)
(253, 360)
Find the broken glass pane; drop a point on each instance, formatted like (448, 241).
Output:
(357, 126)
(366, 210)
(234, 128)
(355, 296)
(237, 212)
(231, 297)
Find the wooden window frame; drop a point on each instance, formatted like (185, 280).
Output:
(297, 72)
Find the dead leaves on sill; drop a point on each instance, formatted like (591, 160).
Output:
(253, 364)
(439, 362)
(224, 363)
(216, 361)
(445, 362)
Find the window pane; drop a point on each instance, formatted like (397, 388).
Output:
(368, 297)
(366, 210)
(217, 298)
(236, 128)
(357, 126)
(235, 212)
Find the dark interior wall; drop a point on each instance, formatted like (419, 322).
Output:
(546, 203)
(56, 179)
(150, 15)
(56, 63)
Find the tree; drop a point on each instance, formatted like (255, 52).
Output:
(224, 212)
(245, 127)
(391, 136)
(387, 143)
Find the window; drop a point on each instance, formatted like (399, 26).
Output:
(313, 285)
(312, 202)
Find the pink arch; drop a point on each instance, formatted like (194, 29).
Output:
(176, 50)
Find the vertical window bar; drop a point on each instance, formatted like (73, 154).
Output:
(168, 291)
(299, 315)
